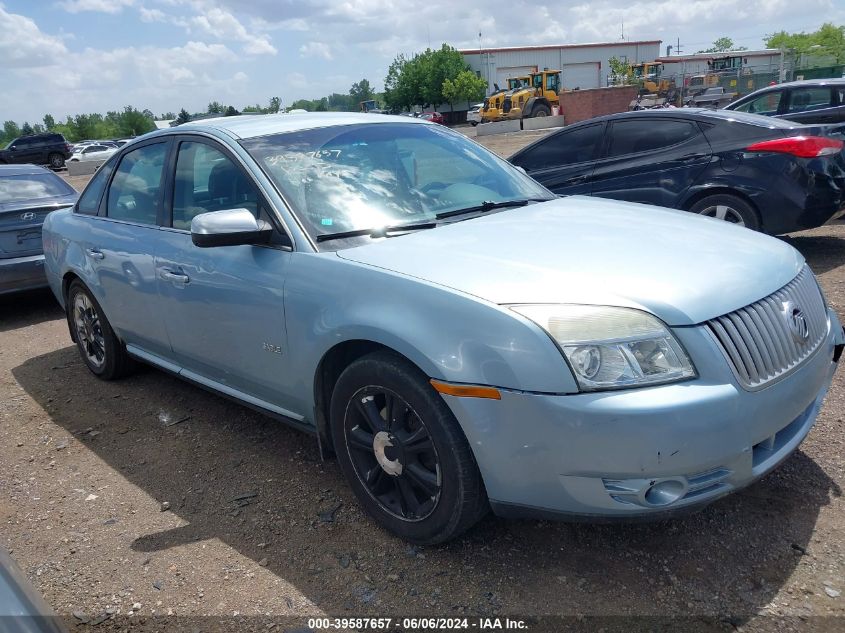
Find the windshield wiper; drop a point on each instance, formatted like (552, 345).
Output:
(381, 231)
(489, 205)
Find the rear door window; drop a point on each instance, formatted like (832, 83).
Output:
(809, 99)
(89, 201)
(135, 192)
(564, 148)
(644, 135)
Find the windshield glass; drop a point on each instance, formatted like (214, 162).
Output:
(348, 178)
(32, 187)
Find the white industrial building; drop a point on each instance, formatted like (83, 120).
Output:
(583, 65)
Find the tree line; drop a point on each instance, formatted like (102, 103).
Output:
(126, 123)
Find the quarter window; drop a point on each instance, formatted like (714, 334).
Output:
(135, 192)
(565, 148)
(89, 201)
(640, 135)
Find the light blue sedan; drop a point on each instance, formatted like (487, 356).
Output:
(457, 336)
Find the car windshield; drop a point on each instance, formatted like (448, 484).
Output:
(358, 177)
(32, 187)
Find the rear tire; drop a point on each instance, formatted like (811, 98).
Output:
(403, 452)
(57, 161)
(101, 350)
(730, 208)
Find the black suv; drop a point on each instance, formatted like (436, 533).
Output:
(40, 149)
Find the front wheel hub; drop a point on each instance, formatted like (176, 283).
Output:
(387, 453)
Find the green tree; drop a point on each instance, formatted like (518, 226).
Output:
(275, 105)
(620, 70)
(183, 117)
(361, 91)
(49, 121)
(230, 111)
(420, 80)
(828, 40)
(10, 131)
(215, 107)
(466, 86)
(723, 44)
(26, 129)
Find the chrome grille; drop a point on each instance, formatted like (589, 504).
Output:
(758, 340)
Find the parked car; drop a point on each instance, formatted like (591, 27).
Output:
(809, 101)
(714, 97)
(93, 153)
(38, 149)
(22, 609)
(761, 173)
(474, 114)
(457, 335)
(434, 117)
(27, 194)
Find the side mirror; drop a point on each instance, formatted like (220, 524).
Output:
(14, 148)
(231, 227)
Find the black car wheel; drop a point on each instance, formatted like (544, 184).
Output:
(729, 208)
(57, 161)
(102, 351)
(403, 452)
(540, 110)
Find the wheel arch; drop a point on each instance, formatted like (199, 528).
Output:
(716, 190)
(332, 364)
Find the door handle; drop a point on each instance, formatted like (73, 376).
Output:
(95, 253)
(169, 275)
(576, 180)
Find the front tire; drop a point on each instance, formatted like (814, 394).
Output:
(730, 208)
(101, 350)
(540, 110)
(403, 452)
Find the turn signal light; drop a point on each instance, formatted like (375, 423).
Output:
(800, 146)
(466, 391)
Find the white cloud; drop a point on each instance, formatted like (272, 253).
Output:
(24, 45)
(316, 49)
(100, 6)
(151, 15)
(225, 26)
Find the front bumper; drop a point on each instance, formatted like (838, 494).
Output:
(648, 452)
(22, 273)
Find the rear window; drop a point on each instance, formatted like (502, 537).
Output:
(32, 187)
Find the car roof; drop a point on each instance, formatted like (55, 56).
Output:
(251, 126)
(806, 83)
(698, 114)
(22, 170)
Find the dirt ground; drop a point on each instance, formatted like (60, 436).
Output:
(148, 504)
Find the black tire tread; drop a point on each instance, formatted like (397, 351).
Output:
(749, 214)
(473, 503)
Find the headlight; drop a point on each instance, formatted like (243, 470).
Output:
(612, 348)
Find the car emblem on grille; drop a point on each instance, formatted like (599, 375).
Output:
(29, 215)
(796, 321)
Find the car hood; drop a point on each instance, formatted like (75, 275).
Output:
(683, 268)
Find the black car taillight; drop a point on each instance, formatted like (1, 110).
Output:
(800, 146)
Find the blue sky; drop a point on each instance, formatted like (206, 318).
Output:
(72, 56)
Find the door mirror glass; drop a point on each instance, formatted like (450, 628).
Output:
(229, 227)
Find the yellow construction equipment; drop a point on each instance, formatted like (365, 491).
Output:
(536, 99)
(492, 110)
(647, 75)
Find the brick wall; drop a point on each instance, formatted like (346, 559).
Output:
(578, 105)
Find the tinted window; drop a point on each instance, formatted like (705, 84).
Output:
(89, 201)
(807, 99)
(134, 194)
(207, 180)
(565, 148)
(766, 104)
(32, 187)
(22, 142)
(643, 135)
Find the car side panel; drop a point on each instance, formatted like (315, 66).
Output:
(448, 335)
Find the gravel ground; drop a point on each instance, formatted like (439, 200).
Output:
(147, 504)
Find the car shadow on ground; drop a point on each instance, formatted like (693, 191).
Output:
(822, 252)
(260, 487)
(24, 309)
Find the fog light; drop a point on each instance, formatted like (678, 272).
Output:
(665, 492)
